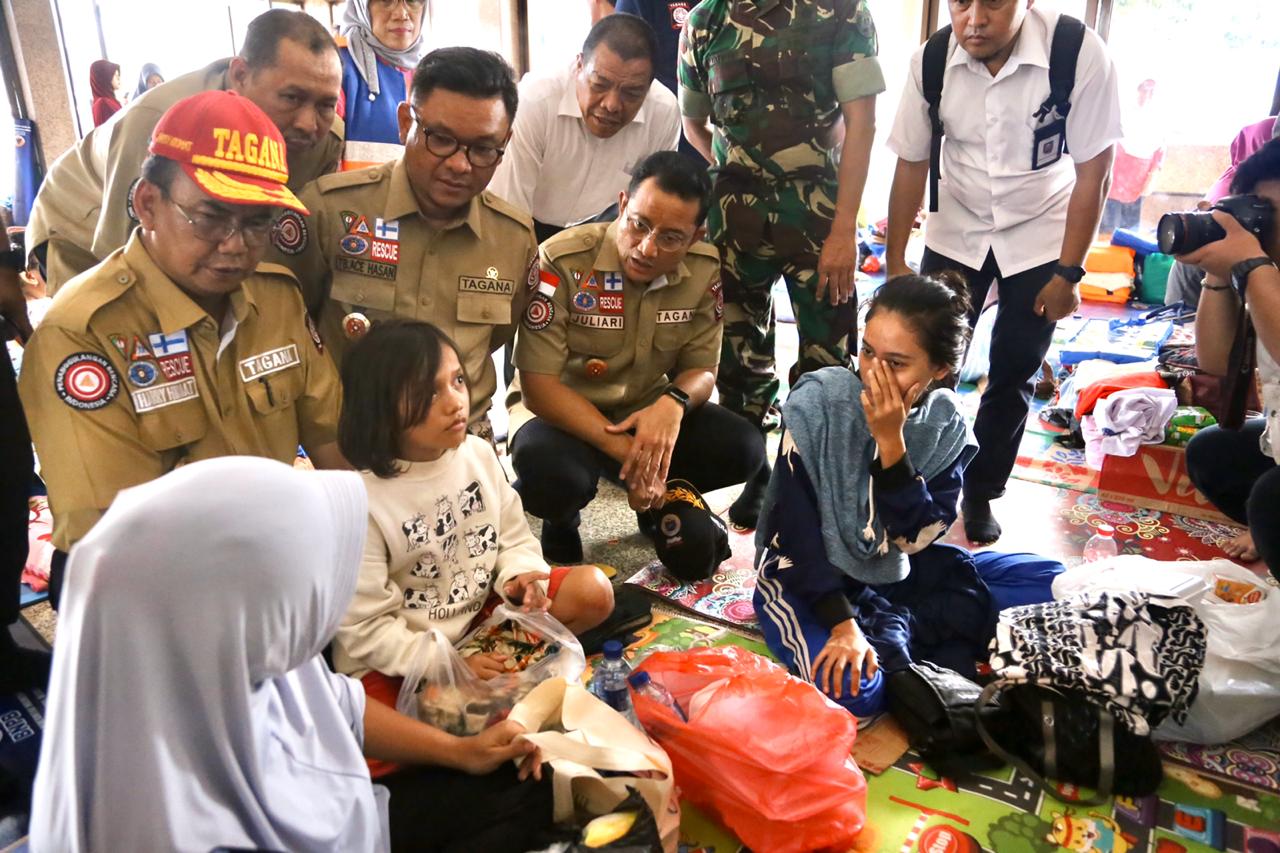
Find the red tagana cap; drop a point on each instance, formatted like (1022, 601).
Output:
(228, 146)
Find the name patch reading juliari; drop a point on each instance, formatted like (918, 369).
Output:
(597, 321)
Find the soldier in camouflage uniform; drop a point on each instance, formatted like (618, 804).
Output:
(775, 78)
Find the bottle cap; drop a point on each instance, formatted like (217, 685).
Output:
(1106, 530)
(639, 679)
(613, 650)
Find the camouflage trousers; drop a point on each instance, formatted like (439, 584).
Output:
(765, 232)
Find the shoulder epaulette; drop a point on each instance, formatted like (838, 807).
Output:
(353, 178)
(571, 241)
(506, 208)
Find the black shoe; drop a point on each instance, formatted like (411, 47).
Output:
(561, 543)
(980, 526)
(744, 514)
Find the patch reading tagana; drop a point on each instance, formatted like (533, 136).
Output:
(86, 381)
(474, 284)
(271, 361)
(675, 315)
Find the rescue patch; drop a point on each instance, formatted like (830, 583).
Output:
(597, 321)
(150, 399)
(143, 374)
(353, 244)
(539, 314)
(675, 315)
(271, 361)
(86, 381)
(387, 251)
(364, 266)
(176, 366)
(289, 235)
(583, 300)
(472, 284)
(611, 303)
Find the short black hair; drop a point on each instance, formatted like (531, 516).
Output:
(159, 171)
(262, 40)
(677, 174)
(1261, 165)
(629, 36)
(936, 307)
(466, 71)
(388, 383)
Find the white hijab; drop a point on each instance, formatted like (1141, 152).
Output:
(188, 705)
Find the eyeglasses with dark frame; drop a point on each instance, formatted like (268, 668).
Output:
(217, 228)
(414, 6)
(668, 241)
(444, 146)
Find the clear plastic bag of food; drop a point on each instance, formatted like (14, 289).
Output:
(441, 690)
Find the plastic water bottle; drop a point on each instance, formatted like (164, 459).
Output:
(642, 683)
(1102, 545)
(609, 682)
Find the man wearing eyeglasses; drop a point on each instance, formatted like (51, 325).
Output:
(419, 237)
(617, 358)
(582, 130)
(179, 346)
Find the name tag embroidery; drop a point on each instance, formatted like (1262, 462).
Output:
(675, 315)
(271, 361)
(150, 399)
(597, 321)
(362, 266)
(474, 284)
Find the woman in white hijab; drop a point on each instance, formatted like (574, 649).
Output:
(189, 707)
(384, 44)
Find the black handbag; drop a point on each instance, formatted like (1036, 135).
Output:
(1052, 734)
(938, 709)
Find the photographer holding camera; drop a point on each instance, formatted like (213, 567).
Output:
(1237, 469)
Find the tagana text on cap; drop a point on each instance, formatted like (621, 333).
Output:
(227, 145)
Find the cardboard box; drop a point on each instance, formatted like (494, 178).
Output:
(1155, 478)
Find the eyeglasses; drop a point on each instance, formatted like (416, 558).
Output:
(218, 227)
(414, 6)
(444, 146)
(668, 241)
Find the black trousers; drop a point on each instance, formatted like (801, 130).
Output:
(437, 809)
(1230, 469)
(1019, 343)
(557, 474)
(17, 472)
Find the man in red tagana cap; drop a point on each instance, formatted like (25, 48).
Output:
(181, 346)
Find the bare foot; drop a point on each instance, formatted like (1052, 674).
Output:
(1241, 548)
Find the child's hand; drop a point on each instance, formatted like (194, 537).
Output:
(485, 666)
(525, 591)
(501, 742)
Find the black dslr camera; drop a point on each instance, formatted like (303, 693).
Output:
(1180, 233)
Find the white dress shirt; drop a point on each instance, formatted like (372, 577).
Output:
(989, 198)
(555, 169)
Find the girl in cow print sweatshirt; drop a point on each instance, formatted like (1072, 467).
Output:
(446, 530)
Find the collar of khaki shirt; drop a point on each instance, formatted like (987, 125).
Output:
(570, 108)
(402, 202)
(607, 260)
(174, 308)
(1026, 51)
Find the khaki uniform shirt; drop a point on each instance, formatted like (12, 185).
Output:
(127, 378)
(365, 248)
(85, 199)
(609, 339)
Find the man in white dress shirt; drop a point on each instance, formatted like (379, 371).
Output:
(581, 131)
(1011, 208)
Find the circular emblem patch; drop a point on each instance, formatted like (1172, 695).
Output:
(491, 272)
(353, 244)
(142, 373)
(584, 301)
(128, 200)
(670, 525)
(532, 277)
(539, 314)
(597, 367)
(354, 325)
(290, 233)
(86, 381)
(679, 14)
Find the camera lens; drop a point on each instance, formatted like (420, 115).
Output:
(1169, 234)
(1180, 233)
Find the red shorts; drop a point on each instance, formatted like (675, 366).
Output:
(386, 688)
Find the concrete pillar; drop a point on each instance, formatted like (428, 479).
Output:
(33, 30)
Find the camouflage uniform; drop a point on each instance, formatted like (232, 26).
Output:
(772, 74)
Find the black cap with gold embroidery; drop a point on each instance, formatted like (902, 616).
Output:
(690, 539)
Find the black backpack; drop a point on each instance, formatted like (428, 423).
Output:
(1068, 36)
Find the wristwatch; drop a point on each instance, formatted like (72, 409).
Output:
(1071, 274)
(676, 393)
(1240, 272)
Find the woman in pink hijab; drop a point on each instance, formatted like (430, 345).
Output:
(104, 80)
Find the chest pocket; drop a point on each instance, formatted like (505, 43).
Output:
(276, 392)
(595, 343)
(489, 309)
(173, 427)
(364, 291)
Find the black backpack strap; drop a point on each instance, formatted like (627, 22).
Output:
(1064, 51)
(932, 69)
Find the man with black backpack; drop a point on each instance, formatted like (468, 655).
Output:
(1013, 89)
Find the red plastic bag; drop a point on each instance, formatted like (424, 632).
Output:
(764, 753)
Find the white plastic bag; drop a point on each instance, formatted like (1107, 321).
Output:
(1240, 683)
(441, 690)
